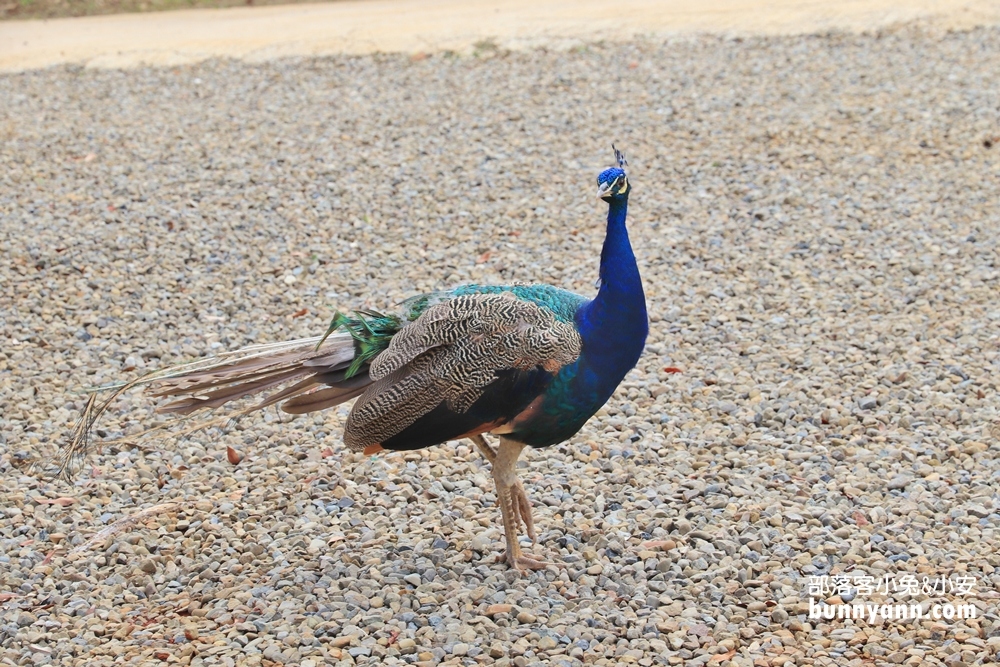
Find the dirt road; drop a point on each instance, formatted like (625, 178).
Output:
(357, 26)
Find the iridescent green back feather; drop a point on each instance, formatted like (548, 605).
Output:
(562, 303)
(371, 332)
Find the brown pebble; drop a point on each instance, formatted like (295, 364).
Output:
(495, 609)
(342, 641)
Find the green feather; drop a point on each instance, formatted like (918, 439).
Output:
(371, 332)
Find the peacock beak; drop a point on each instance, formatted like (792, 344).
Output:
(604, 189)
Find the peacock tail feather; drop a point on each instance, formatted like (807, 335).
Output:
(371, 332)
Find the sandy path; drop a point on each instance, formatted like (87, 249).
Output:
(356, 26)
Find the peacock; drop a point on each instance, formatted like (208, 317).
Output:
(529, 363)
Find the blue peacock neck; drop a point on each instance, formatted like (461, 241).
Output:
(614, 325)
(613, 328)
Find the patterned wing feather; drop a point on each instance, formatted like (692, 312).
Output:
(450, 355)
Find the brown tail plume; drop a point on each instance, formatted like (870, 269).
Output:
(306, 377)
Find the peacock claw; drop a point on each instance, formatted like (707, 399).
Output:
(524, 562)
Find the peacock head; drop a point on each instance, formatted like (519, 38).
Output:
(613, 183)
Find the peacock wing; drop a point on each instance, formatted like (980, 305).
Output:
(463, 363)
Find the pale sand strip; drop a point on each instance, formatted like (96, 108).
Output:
(357, 27)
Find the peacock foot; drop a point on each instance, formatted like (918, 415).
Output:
(523, 562)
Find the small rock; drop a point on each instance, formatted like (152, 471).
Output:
(496, 609)
(358, 600)
(526, 617)
(546, 643)
(481, 543)
(898, 482)
(273, 653)
(974, 447)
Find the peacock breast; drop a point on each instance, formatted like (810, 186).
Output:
(575, 393)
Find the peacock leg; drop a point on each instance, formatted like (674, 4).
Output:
(505, 476)
(484, 448)
(522, 508)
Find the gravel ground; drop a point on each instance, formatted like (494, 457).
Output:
(816, 219)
